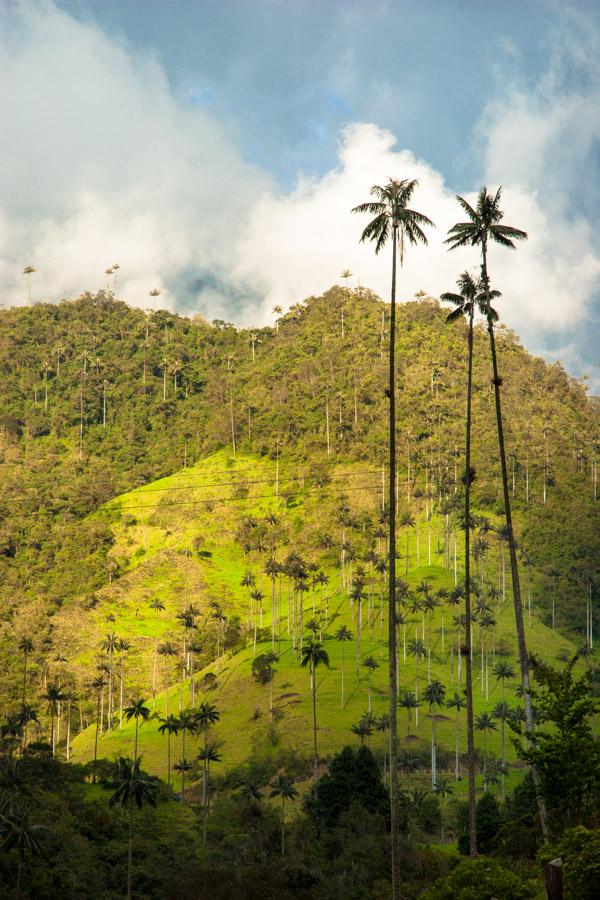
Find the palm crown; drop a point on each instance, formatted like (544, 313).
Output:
(471, 298)
(484, 224)
(392, 214)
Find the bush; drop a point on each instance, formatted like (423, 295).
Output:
(579, 849)
(481, 879)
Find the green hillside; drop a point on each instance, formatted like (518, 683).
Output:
(178, 539)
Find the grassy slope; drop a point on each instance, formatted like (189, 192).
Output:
(159, 561)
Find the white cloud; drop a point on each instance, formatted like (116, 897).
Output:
(106, 165)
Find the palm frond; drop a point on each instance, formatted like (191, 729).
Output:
(500, 239)
(467, 207)
(455, 314)
(373, 208)
(449, 297)
(510, 232)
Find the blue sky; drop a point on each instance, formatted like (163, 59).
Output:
(214, 148)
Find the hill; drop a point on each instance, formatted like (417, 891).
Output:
(142, 455)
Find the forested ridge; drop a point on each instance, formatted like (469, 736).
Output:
(191, 513)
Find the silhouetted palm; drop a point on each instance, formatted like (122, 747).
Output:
(131, 785)
(313, 655)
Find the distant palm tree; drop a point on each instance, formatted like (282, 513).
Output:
(206, 716)
(167, 651)
(283, 787)
(26, 647)
(169, 725)
(97, 685)
(443, 789)
(362, 730)
(131, 785)
(458, 703)
(342, 635)
(137, 710)
(393, 218)
(208, 754)
(157, 606)
(277, 310)
(485, 722)
(371, 664)
(28, 271)
(434, 694)
(503, 673)
(502, 712)
(409, 764)
(313, 655)
(346, 274)
(382, 724)
(55, 696)
(409, 702)
(416, 648)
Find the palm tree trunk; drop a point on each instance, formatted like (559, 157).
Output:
(518, 608)
(468, 648)
(394, 805)
(314, 697)
(96, 739)
(283, 826)
(129, 849)
(342, 674)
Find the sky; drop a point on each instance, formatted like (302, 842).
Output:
(215, 148)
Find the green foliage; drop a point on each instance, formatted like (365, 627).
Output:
(353, 777)
(482, 879)
(579, 849)
(564, 749)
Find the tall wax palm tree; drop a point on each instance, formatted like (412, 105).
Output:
(169, 725)
(342, 635)
(283, 787)
(434, 694)
(277, 310)
(132, 786)
(484, 226)
(393, 219)
(472, 297)
(181, 767)
(137, 710)
(458, 703)
(313, 655)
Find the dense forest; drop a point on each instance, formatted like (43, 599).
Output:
(194, 617)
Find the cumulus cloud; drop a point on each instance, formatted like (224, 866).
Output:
(106, 165)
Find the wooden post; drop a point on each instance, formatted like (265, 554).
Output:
(553, 875)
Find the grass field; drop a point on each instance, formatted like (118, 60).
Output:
(161, 530)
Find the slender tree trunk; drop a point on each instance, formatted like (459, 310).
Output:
(518, 608)
(283, 826)
(394, 805)
(314, 697)
(129, 849)
(468, 641)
